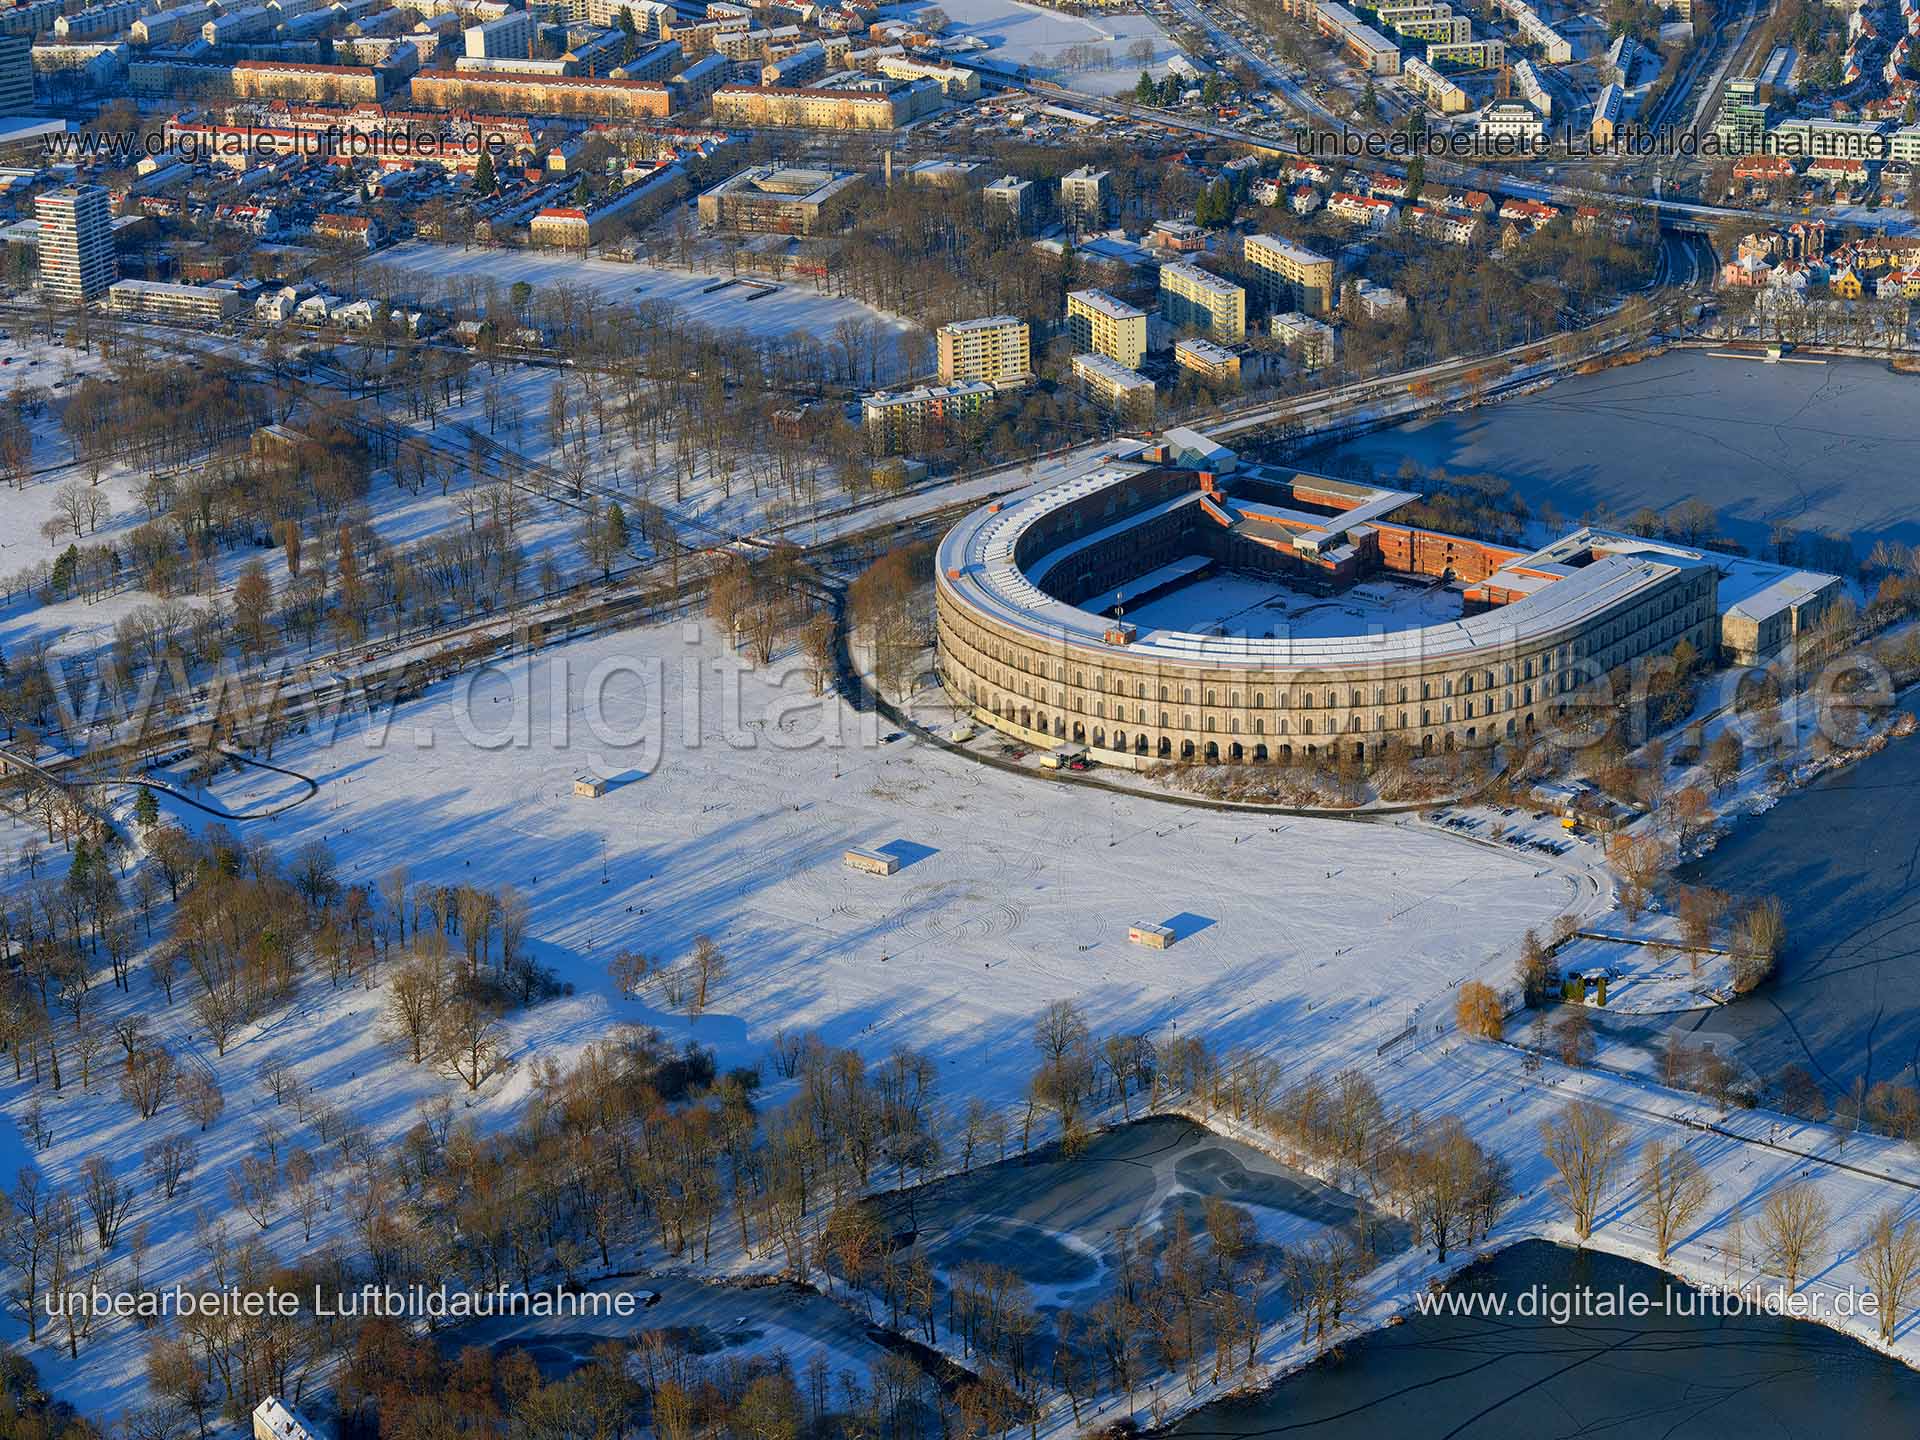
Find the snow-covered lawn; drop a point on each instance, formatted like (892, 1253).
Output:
(1015, 894)
(1023, 34)
(732, 797)
(1309, 938)
(792, 307)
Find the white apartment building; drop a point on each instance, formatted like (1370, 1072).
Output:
(510, 37)
(75, 243)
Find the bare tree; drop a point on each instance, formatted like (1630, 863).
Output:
(1792, 1224)
(1889, 1258)
(1673, 1192)
(1061, 1029)
(220, 1010)
(279, 1078)
(470, 1042)
(170, 1162)
(255, 1187)
(147, 1079)
(200, 1096)
(709, 969)
(415, 996)
(1583, 1144)
(107, 1197)
(1478, 1012)
(629, 971)
(393, 890)
(1758, 937)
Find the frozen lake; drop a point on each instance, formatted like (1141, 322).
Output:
(1840, 855)
(1053, 1220)
(1819, 447)
(1673, 1375)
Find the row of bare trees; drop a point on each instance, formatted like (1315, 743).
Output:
(1587, 1148)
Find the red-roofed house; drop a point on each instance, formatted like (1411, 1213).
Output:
(351, 229)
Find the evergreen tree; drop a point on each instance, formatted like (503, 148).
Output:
(484, 180)
(617, 537)
(146, 809)
(1145, 92)
(1416, 177)
(61, 581)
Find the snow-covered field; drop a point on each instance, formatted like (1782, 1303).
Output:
(792, 307)
(732, 799)
(1043, 38)
(56, 369)
(736, 829)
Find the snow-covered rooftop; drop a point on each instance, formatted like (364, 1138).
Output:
(977, 563)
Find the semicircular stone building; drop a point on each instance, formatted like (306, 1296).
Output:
(1155, 612)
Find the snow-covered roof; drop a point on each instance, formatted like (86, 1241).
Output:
(273, 1419)
(977, 564)
(1794, 588)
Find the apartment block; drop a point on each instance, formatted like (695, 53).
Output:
(1107, 326)
(1290, 277)
(795, 68)
(1084, 195)
(1192, 298)
(511, 37)
(1015, 198)
(1213, 362)
(1310, 341)
(1511, 127)
(1109, 383)
(575, 96)
(1606, 115)
(956, 82)
(918, 419)
(327, 84)
(877, 105)
(75, 243)
(1436, 89)
(191, 304)
(97, 21)
(993, 349)
(1741, 122)
(16, 74)
(651, 19)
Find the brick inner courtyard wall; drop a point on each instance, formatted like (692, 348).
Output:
(1430, 552)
